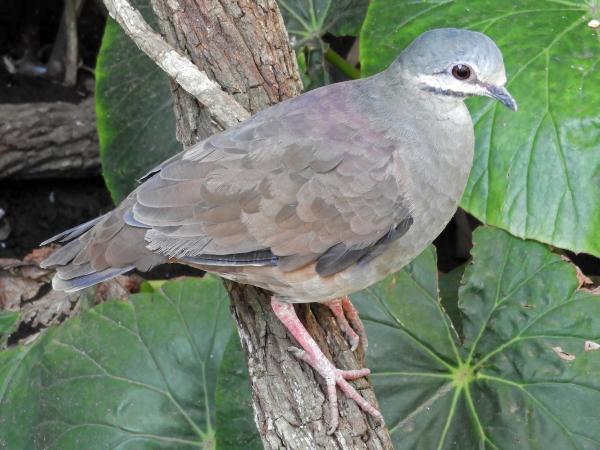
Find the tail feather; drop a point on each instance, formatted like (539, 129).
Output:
(71, 271)
(72, 233)
(99, 250)
(82, 282)
(63, 255)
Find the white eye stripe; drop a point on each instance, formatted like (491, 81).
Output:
(445, 83)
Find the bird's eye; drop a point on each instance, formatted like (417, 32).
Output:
(461, 72)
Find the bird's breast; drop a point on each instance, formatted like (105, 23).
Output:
(438, 171)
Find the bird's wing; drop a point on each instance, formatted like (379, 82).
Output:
(312, 179)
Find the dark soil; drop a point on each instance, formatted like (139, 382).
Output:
(28, 29)
(37, 210)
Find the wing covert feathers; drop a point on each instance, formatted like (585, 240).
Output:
(310, 180)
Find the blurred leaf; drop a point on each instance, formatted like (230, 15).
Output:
(310, 19)
(522, 379)
(136, 123)
(150, 286)
(307, 21)
(311, 63)
(236, 428)
(349, 17)
(536, 172)
(9, 320)
(128, 375)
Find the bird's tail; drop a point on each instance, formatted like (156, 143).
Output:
(99, 250)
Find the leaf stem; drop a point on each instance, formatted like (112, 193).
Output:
(341, 64)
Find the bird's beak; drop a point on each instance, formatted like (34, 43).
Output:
(502, 95)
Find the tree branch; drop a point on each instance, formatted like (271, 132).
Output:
(72, 47)
(224, 109)
(48, 140)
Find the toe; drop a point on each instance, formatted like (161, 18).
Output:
(355, 395)
(354, 374)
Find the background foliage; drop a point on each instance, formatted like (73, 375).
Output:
(134, 109)
(506, 358)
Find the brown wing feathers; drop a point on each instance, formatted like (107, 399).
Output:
(285, 188)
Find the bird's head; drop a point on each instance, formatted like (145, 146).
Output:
(457, 63)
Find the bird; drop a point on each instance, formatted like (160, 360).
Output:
(313, 198)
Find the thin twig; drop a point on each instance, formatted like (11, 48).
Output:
(72, 52)
(222, 106)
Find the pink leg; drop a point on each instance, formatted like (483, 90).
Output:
(344, 311)
(313, 355)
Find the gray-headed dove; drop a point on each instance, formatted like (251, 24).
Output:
(313, 198)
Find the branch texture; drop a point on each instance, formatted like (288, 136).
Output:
(48, 140)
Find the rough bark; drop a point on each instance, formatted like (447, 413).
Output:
(48, 140)
(240, 44)
(243, 45)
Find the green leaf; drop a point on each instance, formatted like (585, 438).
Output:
(307, 21)
(236, 428)
(449, 284)
(9, 320)
(348, 17)
(522, 379)
(19, 396)
(536, 171)
(136, 375)
(310, 19)
(136, 123)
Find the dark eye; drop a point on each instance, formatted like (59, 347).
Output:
(461, 72)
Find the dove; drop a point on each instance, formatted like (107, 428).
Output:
(314, 198)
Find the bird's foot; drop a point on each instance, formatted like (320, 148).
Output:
(312, 354)
(334, 376)
(349, 322)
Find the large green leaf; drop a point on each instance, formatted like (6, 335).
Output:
(129, 375)
(524, 377)
(536, 172)
(136, 123)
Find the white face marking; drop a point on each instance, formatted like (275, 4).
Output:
(443, 82)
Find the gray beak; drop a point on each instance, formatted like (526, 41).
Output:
(502, 95)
